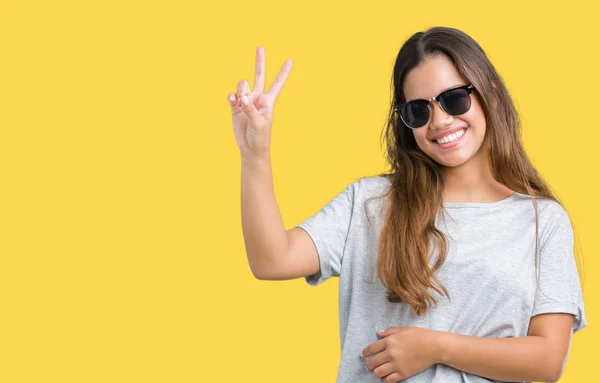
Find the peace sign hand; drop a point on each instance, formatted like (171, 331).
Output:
(252, 111)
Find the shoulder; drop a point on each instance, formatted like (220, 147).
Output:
(553, 220)
(370, 197)
(552, 212)
(373, 186)
(548, 210)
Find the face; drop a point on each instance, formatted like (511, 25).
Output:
(430, 78)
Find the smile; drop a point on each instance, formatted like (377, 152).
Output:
(451, 140)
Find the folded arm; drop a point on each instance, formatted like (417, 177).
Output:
(540, 356)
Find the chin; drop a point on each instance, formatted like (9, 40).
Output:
(452, 161)
(453, 164)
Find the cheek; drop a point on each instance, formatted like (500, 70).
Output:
(421, 138)
(477, 125)
(475, 117)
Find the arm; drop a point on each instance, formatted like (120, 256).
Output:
(539, 356)
(265, 236)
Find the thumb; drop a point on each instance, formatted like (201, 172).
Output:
(249, 108)
(389, 331)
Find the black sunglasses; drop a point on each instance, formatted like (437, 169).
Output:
(455, 101)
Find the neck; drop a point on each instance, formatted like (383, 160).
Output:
(473, 181)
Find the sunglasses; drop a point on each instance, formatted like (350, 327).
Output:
(455, 101)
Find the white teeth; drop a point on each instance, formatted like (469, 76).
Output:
(451, 137)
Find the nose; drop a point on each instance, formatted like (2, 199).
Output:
(439, 118)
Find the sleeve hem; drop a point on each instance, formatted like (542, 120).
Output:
(324, 266)
(556, 307)
(562, 307)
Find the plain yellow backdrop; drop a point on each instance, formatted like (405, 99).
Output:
(121, 250)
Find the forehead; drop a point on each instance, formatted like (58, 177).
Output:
(434, 75)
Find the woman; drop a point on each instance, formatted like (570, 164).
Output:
(461, 253)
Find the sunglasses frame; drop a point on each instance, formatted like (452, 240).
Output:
(468, 87)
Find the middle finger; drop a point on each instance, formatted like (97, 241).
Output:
(377, 360)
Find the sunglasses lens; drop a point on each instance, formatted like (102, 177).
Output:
(415, 113)
(456, 102)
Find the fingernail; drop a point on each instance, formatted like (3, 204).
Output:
(244, 100)
(231, 98)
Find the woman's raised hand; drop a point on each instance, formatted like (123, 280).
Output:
(252, 111)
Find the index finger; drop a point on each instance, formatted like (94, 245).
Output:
(259, 75)
(373, 348)
(277, 84)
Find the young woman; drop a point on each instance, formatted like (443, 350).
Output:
(461, 253)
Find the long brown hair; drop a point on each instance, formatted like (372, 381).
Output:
(415, 195)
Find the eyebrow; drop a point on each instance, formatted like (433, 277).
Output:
(448, 88)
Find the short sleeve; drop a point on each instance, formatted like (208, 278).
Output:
(329, 229)
(558, 277)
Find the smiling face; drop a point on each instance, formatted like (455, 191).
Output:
(428, 79)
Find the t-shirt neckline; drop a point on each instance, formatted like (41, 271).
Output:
(482, 204)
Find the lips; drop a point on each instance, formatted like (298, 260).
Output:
(452, 144)
(447, 132)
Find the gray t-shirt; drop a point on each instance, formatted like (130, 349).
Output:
(489, 273)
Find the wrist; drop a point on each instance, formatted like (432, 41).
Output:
(260, 155)
(438, 345)
(264, 160)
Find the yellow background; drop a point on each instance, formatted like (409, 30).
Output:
(122, 257)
